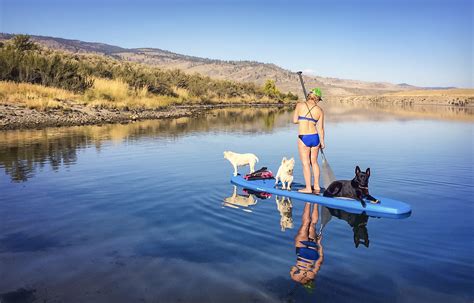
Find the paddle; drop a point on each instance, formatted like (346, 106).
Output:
(302, 85)
(326, 171)
(325, 216)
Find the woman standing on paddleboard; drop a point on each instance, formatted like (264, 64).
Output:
(310, 119)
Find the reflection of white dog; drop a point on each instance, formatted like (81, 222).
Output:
(236, 200)
(241, 160)
(285, 173)
(285, 208)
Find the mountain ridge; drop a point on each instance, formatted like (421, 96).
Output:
(240, 71)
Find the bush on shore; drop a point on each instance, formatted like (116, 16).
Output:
(22, 61)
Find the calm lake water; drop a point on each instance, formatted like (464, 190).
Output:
(137, 213)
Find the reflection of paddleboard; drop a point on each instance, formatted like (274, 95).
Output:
(386, 208)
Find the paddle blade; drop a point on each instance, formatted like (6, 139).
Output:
(325, 218)
(326, 172)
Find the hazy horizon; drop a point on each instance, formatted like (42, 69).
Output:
(422, 42)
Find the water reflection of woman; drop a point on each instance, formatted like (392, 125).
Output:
(309, 251)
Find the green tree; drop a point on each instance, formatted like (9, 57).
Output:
(270, 89)
(290, 97)
(24, 43)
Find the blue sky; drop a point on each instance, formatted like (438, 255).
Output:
(421, 42)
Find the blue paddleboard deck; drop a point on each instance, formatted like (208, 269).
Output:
(386, 208)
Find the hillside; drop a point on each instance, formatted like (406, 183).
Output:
(241, 71)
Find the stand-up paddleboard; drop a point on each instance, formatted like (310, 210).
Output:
(386, 208)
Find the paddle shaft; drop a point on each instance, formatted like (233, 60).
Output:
(300, 74)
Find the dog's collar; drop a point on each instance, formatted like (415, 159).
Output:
(358, 185)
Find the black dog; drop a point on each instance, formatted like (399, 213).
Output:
(358, 224)
(357, 188)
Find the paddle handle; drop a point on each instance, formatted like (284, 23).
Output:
(300, 75)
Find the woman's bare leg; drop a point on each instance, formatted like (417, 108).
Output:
(315, 214)
(303, 231)
(315, 166)
(305, 160)
(314, 221)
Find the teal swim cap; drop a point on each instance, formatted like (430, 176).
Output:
(317, 92)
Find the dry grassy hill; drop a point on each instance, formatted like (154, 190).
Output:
(243, 71)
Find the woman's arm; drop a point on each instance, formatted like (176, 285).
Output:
(295, 114)
(320, 128)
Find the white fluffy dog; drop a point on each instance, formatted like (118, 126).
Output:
(241, 160)
(285, 208)
(285, 173)
(236, 200)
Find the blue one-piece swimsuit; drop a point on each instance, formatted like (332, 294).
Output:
(310, 140)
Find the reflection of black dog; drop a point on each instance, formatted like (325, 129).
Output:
(357, 188)
(358, 224)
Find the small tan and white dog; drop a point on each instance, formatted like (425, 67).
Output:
(240, 201)
(241, 160)
(285, 173)
(285, 207)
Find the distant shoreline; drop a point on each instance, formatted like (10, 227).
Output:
(461, 101)
(17, 116)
